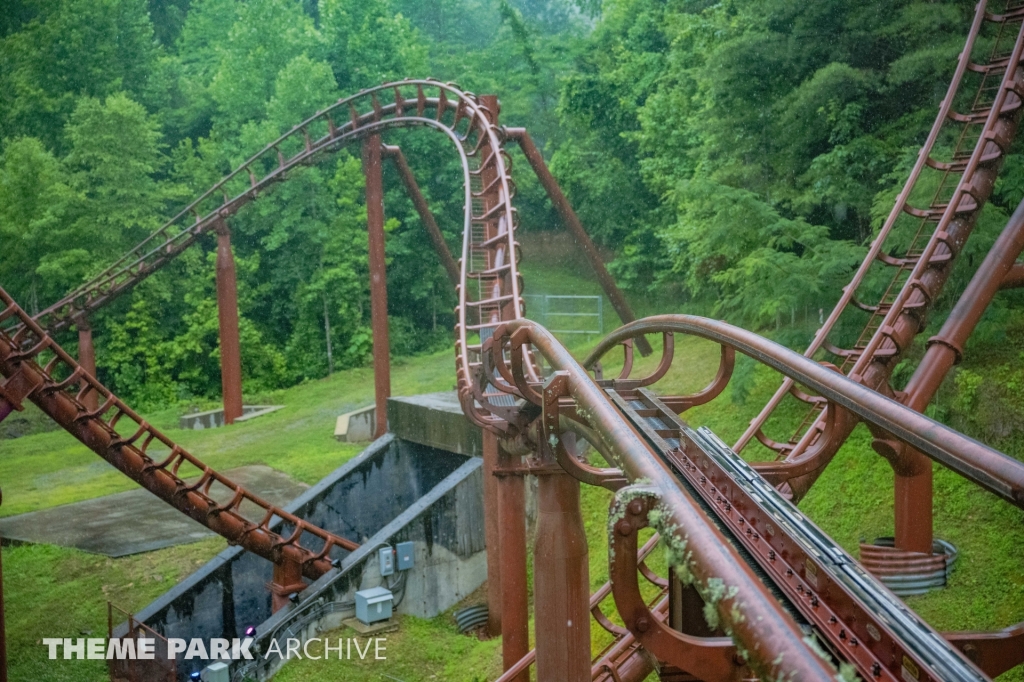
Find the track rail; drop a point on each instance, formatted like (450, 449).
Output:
(933, 236)
(491, 288)
(861, 621)
(38, 369)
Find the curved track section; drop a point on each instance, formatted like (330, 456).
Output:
(916, 247)
(38, 369)
(491, 289)
(734, 525)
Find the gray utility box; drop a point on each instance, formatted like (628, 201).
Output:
(406, 555)
(374, 604)
(387, 561)
(217, 672)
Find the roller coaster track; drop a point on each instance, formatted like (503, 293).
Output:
(773, 579)
(734, 524)
(972, 145)
(491, 290)
(37, 368)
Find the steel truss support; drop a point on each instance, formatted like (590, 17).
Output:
(405, 174)
(515, 617)
(575, 227)
(492, 521)
(945, 349)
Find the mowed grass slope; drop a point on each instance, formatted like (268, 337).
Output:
(53, 592)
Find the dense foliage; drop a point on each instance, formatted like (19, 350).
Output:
(734, 156)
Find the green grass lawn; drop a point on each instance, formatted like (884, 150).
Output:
(54, 592)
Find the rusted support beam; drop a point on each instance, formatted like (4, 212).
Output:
(451, 267)
(561, 582)
(87, 357)
(515, 617)
(994, 652)
(492, 520)
(227, 316)
(378, 281)
(913, 469)
(575, 227)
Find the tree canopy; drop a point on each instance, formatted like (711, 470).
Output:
(734, 156)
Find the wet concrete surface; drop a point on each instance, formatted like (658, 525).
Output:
(137, 521)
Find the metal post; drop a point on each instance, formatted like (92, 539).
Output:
(378, 282)
(572, 222)
(87, 359)
(914, 470)
(515, 619)
(561, 582)
(492, 522)
(5, 409)
(227, 315)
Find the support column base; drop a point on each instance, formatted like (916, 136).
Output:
(908, 573)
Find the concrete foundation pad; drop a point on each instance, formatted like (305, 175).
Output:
(357, 426)
(436, 420)
(136, 521)
(364, 630)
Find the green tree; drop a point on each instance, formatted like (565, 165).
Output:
(115, 163)
(71, 49)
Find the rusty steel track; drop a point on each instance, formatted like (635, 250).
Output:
(37, 369)
(775, 585)
(491, 286)
(862, 622)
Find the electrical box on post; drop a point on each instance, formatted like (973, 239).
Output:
(406, 555)
(387, 561)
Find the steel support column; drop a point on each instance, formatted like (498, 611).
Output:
(575, 227)
(492, 522)
(378, 282)
(913, 469)
(561, 582)
(87, 358)
(515, 617)
(227, 315)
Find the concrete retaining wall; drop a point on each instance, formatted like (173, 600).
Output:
(435, 420)
(394, 491)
